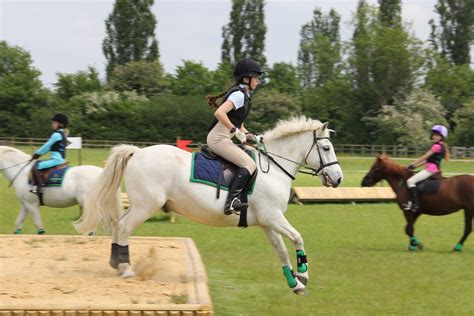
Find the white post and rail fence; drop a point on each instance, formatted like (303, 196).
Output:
(302, 194)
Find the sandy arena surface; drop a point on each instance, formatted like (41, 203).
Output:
(73, 272)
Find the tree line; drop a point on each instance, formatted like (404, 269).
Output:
(381, 86)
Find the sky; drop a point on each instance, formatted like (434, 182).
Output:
(66, 35)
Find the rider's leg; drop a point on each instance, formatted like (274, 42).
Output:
(412, 204)
(220, 143)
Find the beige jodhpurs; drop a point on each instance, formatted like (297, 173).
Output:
(219, 140)
(418, 177)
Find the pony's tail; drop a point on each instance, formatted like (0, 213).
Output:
(102, 202)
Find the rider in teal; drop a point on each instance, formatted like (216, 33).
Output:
(56, 144)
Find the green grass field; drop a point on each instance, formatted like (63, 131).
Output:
(359, 264)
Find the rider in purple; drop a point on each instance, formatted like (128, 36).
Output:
(432, 160)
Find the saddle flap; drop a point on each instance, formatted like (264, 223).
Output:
(429, 186)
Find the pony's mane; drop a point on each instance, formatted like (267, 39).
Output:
(6, 149)
(391, 166)
(292, 126)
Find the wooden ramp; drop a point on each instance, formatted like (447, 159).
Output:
(349, 194)
(70, 276)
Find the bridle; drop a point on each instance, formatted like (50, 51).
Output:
(313, 172)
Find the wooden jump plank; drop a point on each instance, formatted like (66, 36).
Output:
(323, 194)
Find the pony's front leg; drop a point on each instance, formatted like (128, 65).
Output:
(34, 209)
(297, 281)
(410, 231)
(20, 219)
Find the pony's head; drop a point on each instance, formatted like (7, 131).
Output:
(318, 151)
(382, 168)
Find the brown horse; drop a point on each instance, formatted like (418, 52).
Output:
(453, 194)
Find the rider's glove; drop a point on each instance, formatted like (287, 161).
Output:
(255, 138)
(240, 136)
(35, 156)
(411, 167)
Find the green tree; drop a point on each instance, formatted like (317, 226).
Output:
(408, 120)
(463, 118)
(244, 35)
(384, 62)
(169, 116)
(320, 49)
(19, 80)
(455, 33)
(143, 77)
(268, 108)
(130, 34)
(453, 84)
(22, 95)
(222, 78)
(69, 85)
(192, 79)
(390, 12)
(107, 115)
(283, 78)
(335, 102)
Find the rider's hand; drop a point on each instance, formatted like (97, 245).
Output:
(240, 136)
(35, 156)
(411, 167)
(255, 138)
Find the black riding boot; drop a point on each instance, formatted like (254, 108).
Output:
(413, 203)
(233, 203)
(38, 178)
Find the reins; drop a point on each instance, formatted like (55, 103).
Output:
(262, 149)
(18, 173)
(15, 165)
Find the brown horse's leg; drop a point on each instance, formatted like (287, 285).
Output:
(468, 217)
(410, 230)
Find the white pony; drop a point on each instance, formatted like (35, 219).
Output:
(15, 165)
(158, 177)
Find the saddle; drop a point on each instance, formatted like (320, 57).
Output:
(47, 174)
(210, 168)
(430, 185)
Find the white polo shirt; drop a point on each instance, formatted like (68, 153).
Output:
(237, 98)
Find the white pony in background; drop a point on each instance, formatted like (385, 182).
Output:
(16, 166)
(158, 177)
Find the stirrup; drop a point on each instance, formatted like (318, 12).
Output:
(235, 210)
(408, 206)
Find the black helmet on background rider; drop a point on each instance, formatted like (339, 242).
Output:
(60, 118)
(247, 68)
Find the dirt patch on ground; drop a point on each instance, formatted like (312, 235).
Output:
(73, 271)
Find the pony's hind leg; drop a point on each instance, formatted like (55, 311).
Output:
(281, 226)
(127, 223)
(468, 217)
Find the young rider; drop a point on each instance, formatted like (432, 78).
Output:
(432, 160)
(228, 122)
(56, 145)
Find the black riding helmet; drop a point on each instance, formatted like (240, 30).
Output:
(60, 118)
(247, 68)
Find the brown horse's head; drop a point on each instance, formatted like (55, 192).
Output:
(382, 168)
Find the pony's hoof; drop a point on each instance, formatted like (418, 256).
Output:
(411, 248)
(125, 270)
(128, 274)
(420, 246)
(300, 288)
(17, 232)
(41, 231)
(458, 247)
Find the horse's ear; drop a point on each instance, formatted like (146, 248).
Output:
(325, 125)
